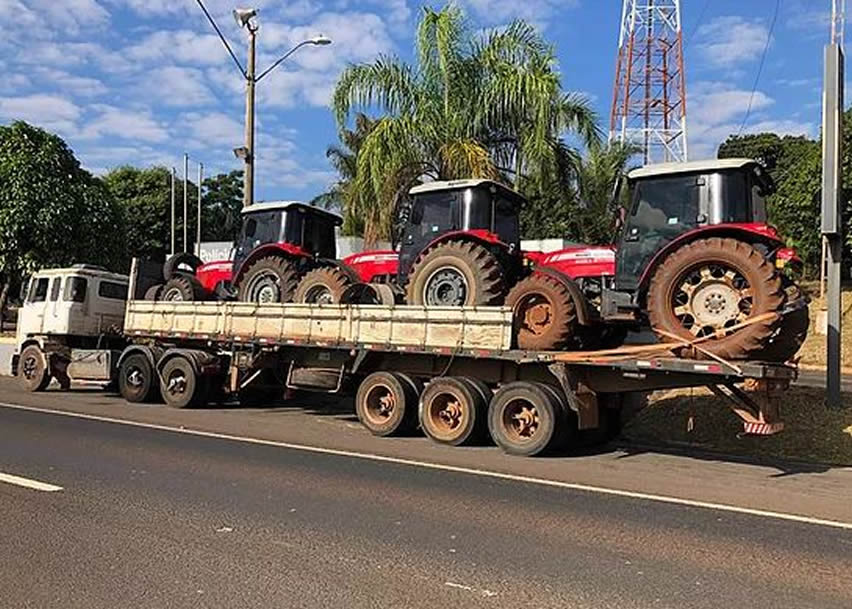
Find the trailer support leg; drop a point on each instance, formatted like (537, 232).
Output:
(757, 407)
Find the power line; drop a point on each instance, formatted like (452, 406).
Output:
(760, 67)
(222, 38)
(697, 23)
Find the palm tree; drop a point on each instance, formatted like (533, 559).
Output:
(487, 105)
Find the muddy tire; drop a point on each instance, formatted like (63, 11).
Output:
(183, 262)
(386, 404)
(269, 280)
(712, 284)
(33, 369)
(182, 288)
(793, 329)
(453, 411)
(154, 292)
(456, 273)
(322, 286)
(544, 313)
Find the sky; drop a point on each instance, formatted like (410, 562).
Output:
(140, 82)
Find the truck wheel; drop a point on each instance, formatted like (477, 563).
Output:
(453, 411)
(710, 285)
(136, 379)
(524, 418)
(269, 280)
(33, 372)
(454, 274)
(792, 331)
(182, 288)
(180, 385)
(322, 286)
(155, 292)
(184, 261)
(386, 404)
(543, 311)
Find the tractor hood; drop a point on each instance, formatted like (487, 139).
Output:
(581, 260)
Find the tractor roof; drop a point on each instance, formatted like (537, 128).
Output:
(661, 169)
(441, 185)
(285, 205)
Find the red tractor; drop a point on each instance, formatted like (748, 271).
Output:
(279, 243)
(696, 259)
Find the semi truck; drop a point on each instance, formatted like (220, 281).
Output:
(454, 373)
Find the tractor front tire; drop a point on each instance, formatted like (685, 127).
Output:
(708, 286)
(456, 273)
(271, 279)
(543, 311)
(182, 288)
(322, 286)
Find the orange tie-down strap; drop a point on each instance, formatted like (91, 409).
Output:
(632, 351)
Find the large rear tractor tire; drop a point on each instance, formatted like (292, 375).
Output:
(793, 329)
(455, 274)
(708, 286)
(182, 288)
(322, 286)
(544, 313)
(269, 280)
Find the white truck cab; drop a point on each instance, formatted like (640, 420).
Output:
(69, 320)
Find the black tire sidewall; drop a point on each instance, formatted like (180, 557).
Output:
(548, 415)
(190, 395)
(404, 403)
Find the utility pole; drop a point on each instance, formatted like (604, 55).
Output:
(185, 201)
(173, 212)
(198, 213)
(251, 83)
(832, 180)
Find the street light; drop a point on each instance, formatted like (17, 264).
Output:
(246, 18)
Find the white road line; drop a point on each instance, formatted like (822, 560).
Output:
(27, 483)
(723, 507)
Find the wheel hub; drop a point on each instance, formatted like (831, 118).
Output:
(450, 415)
(173, 295)
(320, 295)
(521, 419)
(134, 377)
(29, 368)
(536, 315)
(264, 289)
(446, 287)
(711, 299)
(177, 384)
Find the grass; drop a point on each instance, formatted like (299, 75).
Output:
(812, 432)
(812, 352)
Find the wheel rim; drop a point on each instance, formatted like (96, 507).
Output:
(379, 405)
(264, 288)
(135, 377)
(173, 295)
(447, 415)
(319, 294)
(29, 367)
(711, 298)
(535, 313)
(521, 420)
(445, 287)
(176, 383)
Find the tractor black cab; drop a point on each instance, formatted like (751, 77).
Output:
(669, 200)
(480, 210)
(300, 228)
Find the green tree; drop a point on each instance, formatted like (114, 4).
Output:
(52, 211)
(221, 204)
(474, 105)
(144, 196)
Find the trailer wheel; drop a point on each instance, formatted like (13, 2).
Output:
(710, 285)
(543, 311)
(33, 372)
(182, 288)
(180, 385)
(454, 274)
(524, 418)
(271, 279)
(136, 379)
(386, 403)
(322, 286)
(453, 411)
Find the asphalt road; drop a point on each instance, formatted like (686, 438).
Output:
(154, 518)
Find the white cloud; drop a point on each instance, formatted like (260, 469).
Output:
(717, 102)
(48, 111)
(214, 129)
(65, 82)
(123, 123)
(44, 18)
(175, 86)
(179, 46)
(730, 40)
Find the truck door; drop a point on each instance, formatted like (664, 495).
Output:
(53, 316)
(31, 319)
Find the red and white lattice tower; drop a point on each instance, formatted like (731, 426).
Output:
(649, 100)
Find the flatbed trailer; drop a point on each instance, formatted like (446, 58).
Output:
(451, 372)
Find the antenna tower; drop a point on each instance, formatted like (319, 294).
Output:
(649, 97)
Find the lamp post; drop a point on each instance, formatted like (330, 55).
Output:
(246, 18)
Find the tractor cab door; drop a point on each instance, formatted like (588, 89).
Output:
(259, 228)
(432, 215)
(318, 237)
(662, 209)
